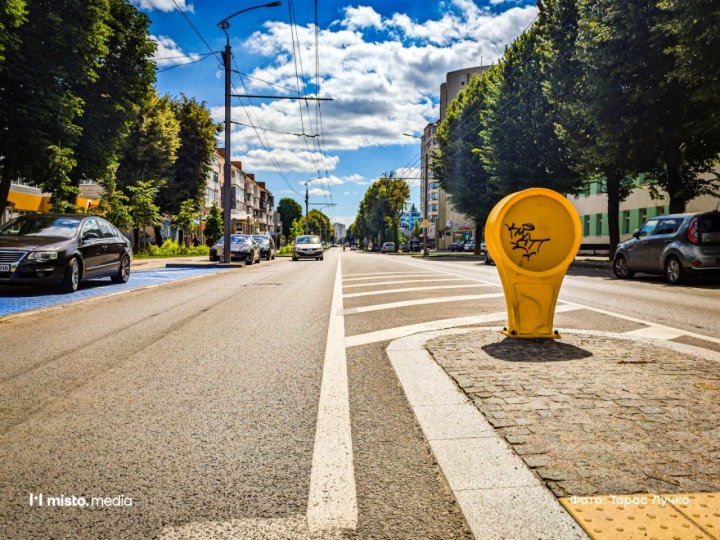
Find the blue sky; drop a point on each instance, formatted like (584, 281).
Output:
(382, 62)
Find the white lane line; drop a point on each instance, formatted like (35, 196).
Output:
(424, 267)
(332, 503)
(407, 303)
(411, 289)
(491, 484)
(393, 276)
(430, 280)
(377, 273)
(660, 328)
(657, 333)
(402, 331)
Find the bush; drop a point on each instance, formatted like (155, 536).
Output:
(173, 249)
(285, 250)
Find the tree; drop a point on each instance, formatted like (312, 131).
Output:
(113, 99)
(456, 161)
(318, 223)
(114, 205)
(188, 178)
(667, 130)
(297, 228)
(143, 210)
(57, 181)
(213, 225)
(185, 219)
(150, 150)
(13, 13)
(289, 210)
(592, 120)
(55, 46)
(381, 209)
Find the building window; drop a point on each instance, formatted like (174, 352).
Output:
(598, 224)
(434, 196)
(643, 216)
(586, 225)
(626, 221)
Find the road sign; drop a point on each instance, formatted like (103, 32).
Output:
(425, 223)
(533, 236)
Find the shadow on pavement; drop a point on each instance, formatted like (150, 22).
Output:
(534, 350)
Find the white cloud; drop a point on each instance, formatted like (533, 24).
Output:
(383, 84)
(331, 180)
(169, 53)
(361, 17)
(261, 160)
(163, 5)
(318, 192)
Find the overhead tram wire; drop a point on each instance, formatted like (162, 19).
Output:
(209, 48)
(184, 64)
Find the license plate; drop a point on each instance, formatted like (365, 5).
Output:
(4, 267)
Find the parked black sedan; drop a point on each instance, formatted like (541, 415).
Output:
(242, 247)
(267, 246)
(62, 250)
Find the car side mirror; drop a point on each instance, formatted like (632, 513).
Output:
(636, 233)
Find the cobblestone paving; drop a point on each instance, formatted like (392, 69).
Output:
(595, 415)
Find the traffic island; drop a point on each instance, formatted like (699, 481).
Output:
(598, 416)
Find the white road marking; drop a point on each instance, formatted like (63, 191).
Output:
(430, 280)
(657, 332)
(411, 289)
(375, 274)
(402, 331)
(332, 503)
(491, 484)
(345, 280)
(407, 303)
(668, 330)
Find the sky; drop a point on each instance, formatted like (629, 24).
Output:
(381, 63)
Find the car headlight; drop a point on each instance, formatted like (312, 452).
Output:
(43, 256)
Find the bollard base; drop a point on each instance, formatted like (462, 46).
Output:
(514, 334)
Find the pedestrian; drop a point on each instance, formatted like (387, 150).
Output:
(195, 240)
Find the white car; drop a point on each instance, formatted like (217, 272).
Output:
(388, 247)
(307, 246)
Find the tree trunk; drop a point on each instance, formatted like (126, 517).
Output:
(478, 237)
(8, 172)
(612, 179)
(136, 239)
(674, 182)
(158, 236)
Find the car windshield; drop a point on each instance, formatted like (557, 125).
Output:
(60, 226)
(262, 239)
(234, 239)
(307, 240)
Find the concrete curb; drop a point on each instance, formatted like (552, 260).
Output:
(205, 265)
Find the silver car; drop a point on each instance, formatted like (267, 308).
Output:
(678, 246)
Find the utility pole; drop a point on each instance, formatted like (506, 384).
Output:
(227, 187)
(306, 206)
(426, 197)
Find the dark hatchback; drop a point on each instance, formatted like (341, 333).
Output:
(267, 246)
(60, 249)
(242, 247)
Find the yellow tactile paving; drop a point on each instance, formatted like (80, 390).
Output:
(703, 509)
(684, 516)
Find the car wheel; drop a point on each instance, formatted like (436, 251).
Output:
(251, 259)
(674, 272)
(621, 269)
(124, 272)
(71, 279)
(322, 258)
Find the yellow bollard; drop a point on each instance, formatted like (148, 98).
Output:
(533, 236)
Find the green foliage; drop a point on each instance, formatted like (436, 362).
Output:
(213, 224)
(297, 228)
(289, 210)
(173, 249)
(185, 219)
(55, 49)
(197, 137)
(381, 209)
(112, 100)
(150, 149)
(114, 205)
(57, 181)
(143, 210)
(318, 223)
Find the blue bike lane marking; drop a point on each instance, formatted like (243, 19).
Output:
(18, 299)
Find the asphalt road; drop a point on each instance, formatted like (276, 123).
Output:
(199, 400)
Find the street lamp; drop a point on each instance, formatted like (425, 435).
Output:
(425, 181)
(306, 200)
(227, 191)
